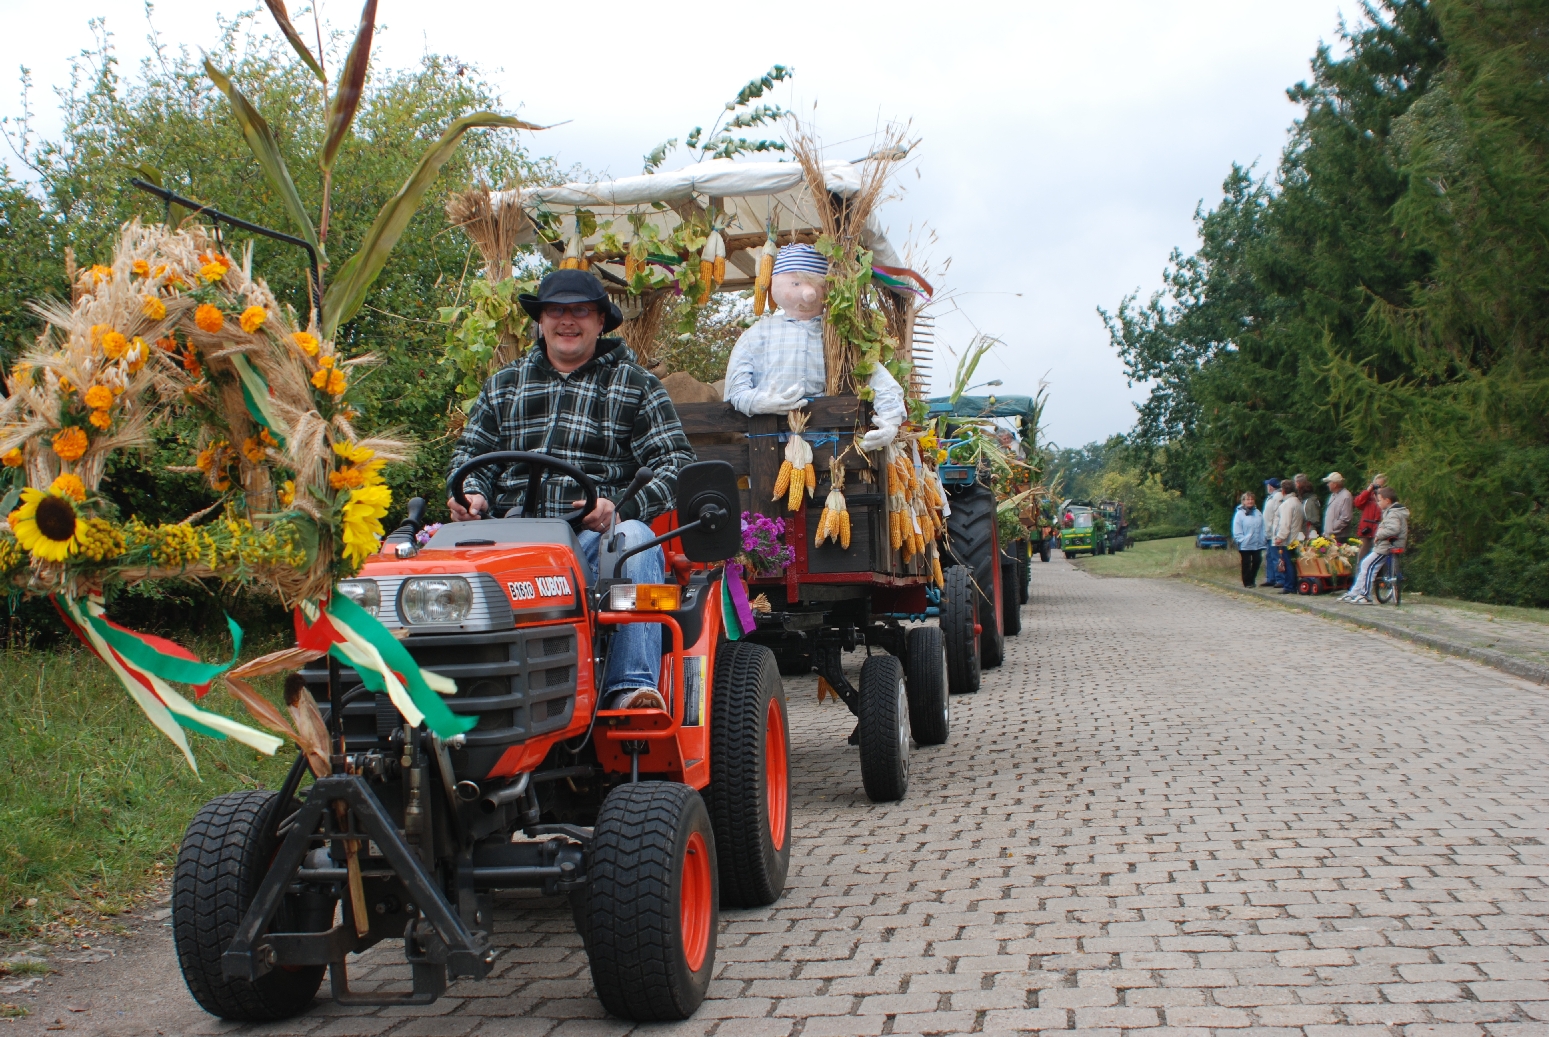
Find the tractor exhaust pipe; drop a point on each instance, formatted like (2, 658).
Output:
(500, 797)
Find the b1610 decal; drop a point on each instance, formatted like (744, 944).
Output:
(542, 587)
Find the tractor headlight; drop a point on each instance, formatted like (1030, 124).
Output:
(435, 600)
(364, 593)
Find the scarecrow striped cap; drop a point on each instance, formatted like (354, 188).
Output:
(800, 257)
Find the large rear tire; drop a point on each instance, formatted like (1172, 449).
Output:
(884, 729)
(1044, 550)
(749, 795)
(223, 860)
(973, 543)
(651, 913)
(1010, 609)
(958, 612)
(925, 670)
(1024, 578)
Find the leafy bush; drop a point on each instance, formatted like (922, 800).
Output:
(1161, 533)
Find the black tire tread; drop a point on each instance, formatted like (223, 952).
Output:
(958, 609)
(219, 867)
(753, 871)
(884, 775)
(632, 917)
(1011, 606)
(930, 715)
(972, 533)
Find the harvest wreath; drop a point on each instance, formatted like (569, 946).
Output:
(174, 324)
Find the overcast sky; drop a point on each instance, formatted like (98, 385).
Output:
(1064, 146)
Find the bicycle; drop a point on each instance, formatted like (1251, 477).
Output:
(1390, 577)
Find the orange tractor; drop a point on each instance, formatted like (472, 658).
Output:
(648, 820)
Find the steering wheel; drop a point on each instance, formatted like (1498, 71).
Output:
(536, 464)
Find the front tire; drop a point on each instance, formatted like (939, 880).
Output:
(749, 796)
(925, 671)
(651, 913)
(884, 729)
(224, 857)
(958, 619)
(1010, 598)
(1043, 551)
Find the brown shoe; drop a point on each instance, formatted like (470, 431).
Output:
(636, 698)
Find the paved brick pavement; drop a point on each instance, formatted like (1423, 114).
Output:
(1134, 827)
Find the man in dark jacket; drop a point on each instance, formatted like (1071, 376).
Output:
(581, 398)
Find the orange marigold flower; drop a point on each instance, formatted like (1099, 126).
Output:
(12, 458)
(138, 354)
(253, 318)
(113, 345)
(347, 478)
(320, 378)
(176, 282)
(161, 268)
(98, 397)
(69, 484)
(209, 318)
(326, 361)
(336, 383)
(211, 272)
(100, 273)
(101, 418)
(169, 344)
(141, 267)
(253, 450)
(153, 308)
(306, 342)
(191, 363)
(287, 493)
(70, 443)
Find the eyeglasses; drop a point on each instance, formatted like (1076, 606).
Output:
(579, 310)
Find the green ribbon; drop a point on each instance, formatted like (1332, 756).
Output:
(255, 393)
(729, 618)
(158, 663)
(438, 717)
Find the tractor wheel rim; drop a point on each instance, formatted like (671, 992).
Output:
(776, 773)
(902, 705)
(694, 902)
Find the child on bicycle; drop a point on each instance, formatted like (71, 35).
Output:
(1392, 535)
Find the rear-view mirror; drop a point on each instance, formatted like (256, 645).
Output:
(707, 495)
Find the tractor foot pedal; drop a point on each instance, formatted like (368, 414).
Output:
(855, 736)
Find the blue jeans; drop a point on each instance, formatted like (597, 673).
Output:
(635, 658)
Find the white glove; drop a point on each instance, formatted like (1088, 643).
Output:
(777, 401)
(879, 437)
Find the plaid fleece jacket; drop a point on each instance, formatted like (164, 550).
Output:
(608, 417)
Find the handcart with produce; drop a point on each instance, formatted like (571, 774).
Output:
(1323, 565)
(843, 546)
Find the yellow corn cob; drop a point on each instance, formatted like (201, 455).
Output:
(720, 269)
(706, 282)
(760, 293)
(811, 478)
(895, 529)
(629, 267)
(794, 501)
(783, 480)
(844, 530)
(762, 281)
(822, 533)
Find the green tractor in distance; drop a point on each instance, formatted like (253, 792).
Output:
(1116, 523)
(1083, 530)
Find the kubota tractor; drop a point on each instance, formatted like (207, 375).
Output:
(649, 820)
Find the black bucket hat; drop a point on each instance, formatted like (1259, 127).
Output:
(568, 286)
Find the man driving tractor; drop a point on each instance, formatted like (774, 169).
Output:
(581, 398)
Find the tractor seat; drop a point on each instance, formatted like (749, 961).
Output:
(492, 532)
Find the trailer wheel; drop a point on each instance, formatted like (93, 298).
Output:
(958, 612)
(1043, 550)
(223, 860)
(1010, 597)
(1024, 578)
(925, 671)
(971, 528)
(651, 908)
(884, 729)
(749, 796)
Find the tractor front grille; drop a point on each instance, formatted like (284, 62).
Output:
(518, 683)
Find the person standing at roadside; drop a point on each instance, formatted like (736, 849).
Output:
(1312, 508)
(1248, 532)
(1338, 511)
(1288, 527)
(1273, 570)
(1371, 512)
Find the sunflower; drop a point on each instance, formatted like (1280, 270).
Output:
(253, 318)
(46, 524)
(362, 522)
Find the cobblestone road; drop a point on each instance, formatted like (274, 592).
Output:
(1171, 811)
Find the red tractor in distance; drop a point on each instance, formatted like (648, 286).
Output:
(648, 820)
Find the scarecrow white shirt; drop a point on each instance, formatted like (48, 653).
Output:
(779, 352)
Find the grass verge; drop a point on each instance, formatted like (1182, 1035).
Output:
(96, 799)
(1172, 557)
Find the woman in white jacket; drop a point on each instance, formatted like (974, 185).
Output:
(1248, 533)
